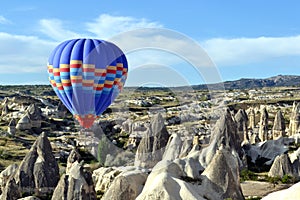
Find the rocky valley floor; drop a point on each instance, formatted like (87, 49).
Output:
(153, 143)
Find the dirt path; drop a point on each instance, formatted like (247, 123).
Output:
(260, 189)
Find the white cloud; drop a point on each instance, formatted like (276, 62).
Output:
(169, 48)
(19, 53)
(106, 26)
(3, 20)
(54, 28)
(239, 51)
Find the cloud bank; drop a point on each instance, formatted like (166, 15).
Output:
(239, 51)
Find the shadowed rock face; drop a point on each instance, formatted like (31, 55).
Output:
(11, 191)
(279, 126)
(5, 110)
(34, 112)
(11, 129)
(39, 169)
(76, 185)
(152, 145)
(6, 174)
(263, 125)
(294, 119)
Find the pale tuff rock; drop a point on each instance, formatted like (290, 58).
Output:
(29, 198)
(177, 147)
(263, 125)
(294, 119)
(24, 123)
(254, 138)
(291, 193)
(164, 183)
(182, 179)
(76, 185)
(73, 157)
(173, 147)
(252, 121)
(6, 174)
(268, 150)
(152, 146)
(103, 177)
(126, 186)
(221, 177)
(61, 110)
(281, 166)
(31, 119)
(279, 126)
(223, 134)
(11, 129)
(35, 114)
(241, 119)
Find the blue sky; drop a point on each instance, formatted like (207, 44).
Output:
(245, 39)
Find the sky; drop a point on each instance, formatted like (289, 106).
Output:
(167, 43)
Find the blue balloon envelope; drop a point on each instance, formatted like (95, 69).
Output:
(87, 75)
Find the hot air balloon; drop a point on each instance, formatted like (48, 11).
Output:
(87, 75)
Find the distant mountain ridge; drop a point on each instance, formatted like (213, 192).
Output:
(248, 83)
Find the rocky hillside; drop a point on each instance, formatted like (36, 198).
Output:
(248, 83)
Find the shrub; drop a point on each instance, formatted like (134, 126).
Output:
(248, 175)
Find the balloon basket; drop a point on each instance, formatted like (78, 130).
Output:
(86, 121)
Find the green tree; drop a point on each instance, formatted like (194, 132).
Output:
(103, 150)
